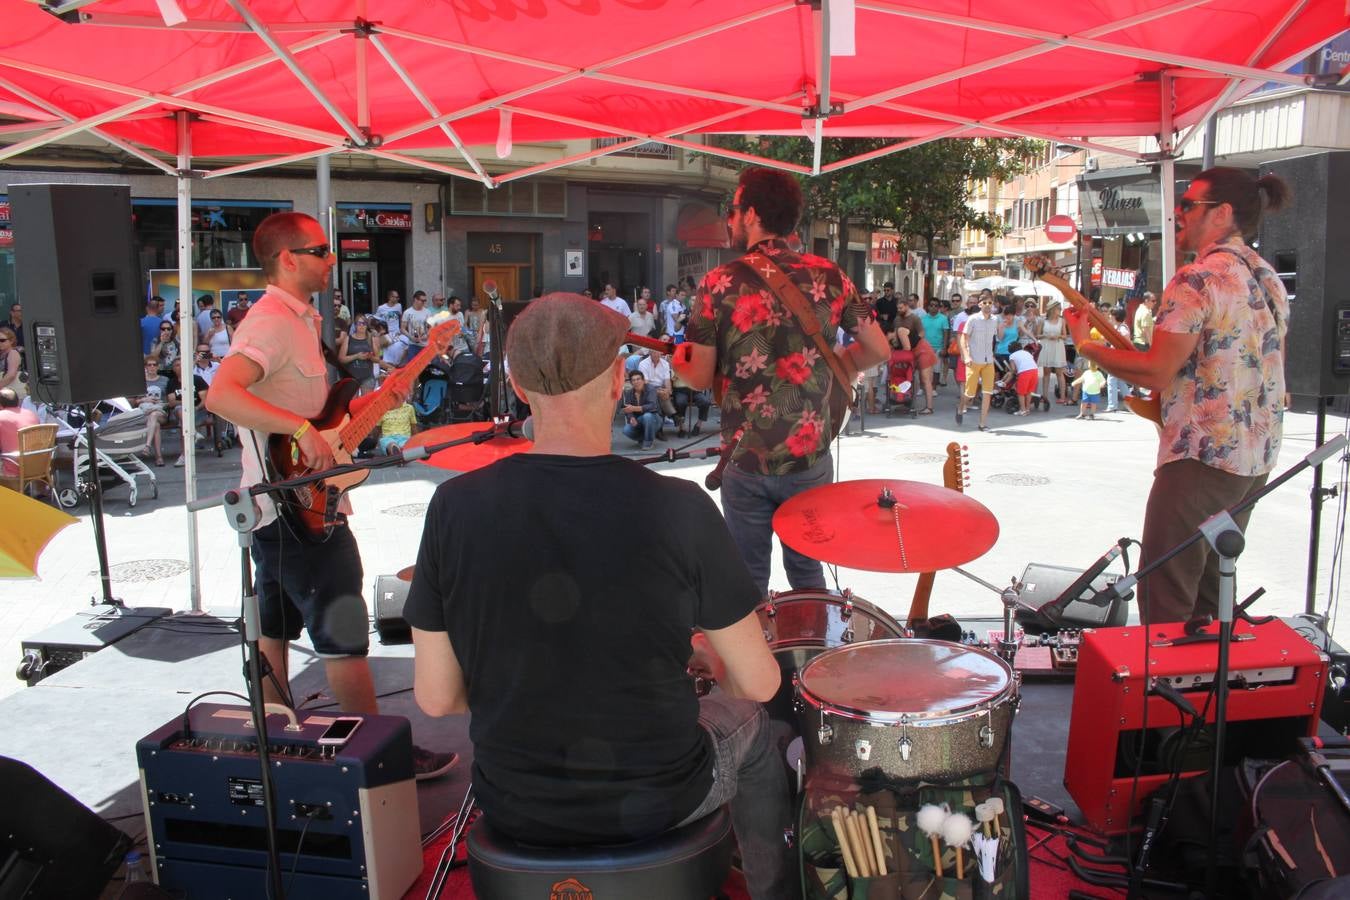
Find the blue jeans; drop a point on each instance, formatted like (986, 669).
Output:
(1115, 387)
(748, 773)
(644, 430)
(749, 502)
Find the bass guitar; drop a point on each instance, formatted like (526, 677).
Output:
(955, 475)
(1041, 267)
(312, 509)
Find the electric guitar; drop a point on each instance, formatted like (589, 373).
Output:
(1041, 267)
(312, 509)
(955, 475)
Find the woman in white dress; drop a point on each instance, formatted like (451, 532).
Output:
(1050, 332)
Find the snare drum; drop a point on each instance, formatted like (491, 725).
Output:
(800, 625)
(918, 710)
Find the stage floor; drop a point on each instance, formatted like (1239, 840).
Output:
(79, 727)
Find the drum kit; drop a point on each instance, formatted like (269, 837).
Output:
(861, 691)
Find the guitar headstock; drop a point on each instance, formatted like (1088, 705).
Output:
(956, 470)
(443, 334)
(1038, 264)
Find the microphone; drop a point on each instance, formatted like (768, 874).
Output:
(1084, 582)
(1173, 696)
(713, 481)
(518, 428)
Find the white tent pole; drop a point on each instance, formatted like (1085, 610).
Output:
(323, 184)
(429, 106)
(187, 346)
(284, 56)
(1167, 172)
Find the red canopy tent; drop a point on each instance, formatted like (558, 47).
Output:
(425, 84)
(407, 81)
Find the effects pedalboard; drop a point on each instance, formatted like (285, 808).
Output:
(1052, 656)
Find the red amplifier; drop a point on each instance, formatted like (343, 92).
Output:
(1276, 680)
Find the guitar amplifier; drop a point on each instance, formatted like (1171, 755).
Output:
(1276, 683)
(346, 816)
(66, 643)
(391, 592)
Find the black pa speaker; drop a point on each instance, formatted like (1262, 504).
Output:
(77, 277)
(391, 592)
(51, 845)
(1054, 597)
(1306, 243)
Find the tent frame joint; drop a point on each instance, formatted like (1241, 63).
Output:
(370, 140)
(814, 111)
(363, 28)
(190, 173)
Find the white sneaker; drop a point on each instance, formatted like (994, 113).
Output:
(179, 463)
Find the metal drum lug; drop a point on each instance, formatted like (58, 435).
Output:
(863, 749)
(906, 746)
(825, 733)
(987, 730)
(847, 636)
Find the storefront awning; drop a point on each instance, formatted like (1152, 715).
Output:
(700, 227)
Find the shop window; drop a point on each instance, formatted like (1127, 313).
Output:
(516, 198)
(1286, 267)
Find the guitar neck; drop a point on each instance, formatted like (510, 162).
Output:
(1105, 325)
(383, 400)
(666, 347)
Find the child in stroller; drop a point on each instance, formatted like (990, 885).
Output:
(900, 380)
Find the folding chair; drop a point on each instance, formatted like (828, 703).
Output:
(37, 443)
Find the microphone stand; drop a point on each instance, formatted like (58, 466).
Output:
(683, 452)
(1223, 534)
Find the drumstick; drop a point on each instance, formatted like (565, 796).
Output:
(859, 848)
(865, 836)
(876, 840)
(837, 816)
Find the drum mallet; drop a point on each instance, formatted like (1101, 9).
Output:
(995, 805)
(956, 831)
(985, 816)
(930, 819)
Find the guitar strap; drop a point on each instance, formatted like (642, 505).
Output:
(792, 297)
(1270, 303)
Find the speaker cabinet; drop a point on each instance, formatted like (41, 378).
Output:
(391, 592)
(51, 845)
(77, 277)
(1306, 242)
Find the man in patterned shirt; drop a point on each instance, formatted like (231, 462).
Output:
(778, 391)
(1217, 363)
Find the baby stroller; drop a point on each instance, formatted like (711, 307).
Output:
(468, 385)
(117, 439)
(1005, 389)
(900, 383)
(429, 400)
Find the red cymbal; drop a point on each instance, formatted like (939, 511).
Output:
(406, 574)
(466, 457)
(844, 524)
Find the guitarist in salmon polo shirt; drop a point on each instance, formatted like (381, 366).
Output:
(1216, 362)
(273, 381)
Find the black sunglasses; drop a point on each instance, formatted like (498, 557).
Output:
(322, 251)
(1186, 204)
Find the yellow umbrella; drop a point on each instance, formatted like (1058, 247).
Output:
(26, 527)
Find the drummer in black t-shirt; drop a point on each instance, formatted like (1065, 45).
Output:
(571, 656)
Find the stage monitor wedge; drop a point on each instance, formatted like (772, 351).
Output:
(1306, 243)
(77, 278)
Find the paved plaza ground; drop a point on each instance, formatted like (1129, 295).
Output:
(1062, 490)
